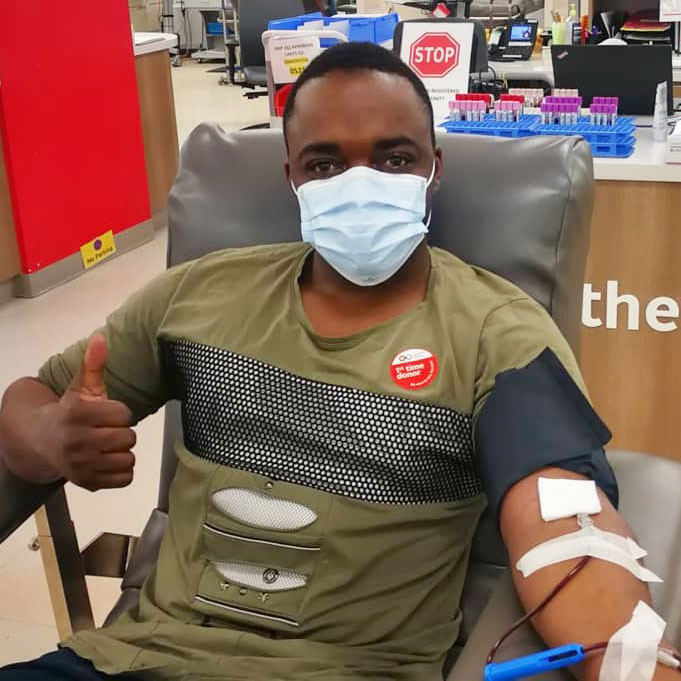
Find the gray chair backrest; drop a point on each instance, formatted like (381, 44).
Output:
(520, 208)
(253, 18)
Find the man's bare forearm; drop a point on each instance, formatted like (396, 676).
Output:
(24, 430)
(601, 597)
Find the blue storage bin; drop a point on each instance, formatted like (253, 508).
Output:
(385, 27)
(361, 29)
(377, 29)
(292, 23)
(214, 28)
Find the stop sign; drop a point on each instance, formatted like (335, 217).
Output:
(434, 55)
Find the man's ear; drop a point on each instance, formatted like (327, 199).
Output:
(439, 166)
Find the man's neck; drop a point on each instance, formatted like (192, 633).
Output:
(336, 307)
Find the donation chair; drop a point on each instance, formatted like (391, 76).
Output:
(520, 208)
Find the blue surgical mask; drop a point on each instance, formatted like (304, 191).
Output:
(365, 223)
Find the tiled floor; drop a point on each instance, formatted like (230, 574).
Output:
(31, 330)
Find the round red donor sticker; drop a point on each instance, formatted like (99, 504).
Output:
(414, 368)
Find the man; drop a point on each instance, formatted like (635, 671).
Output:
(327, 486)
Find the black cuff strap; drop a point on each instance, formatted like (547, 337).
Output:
(535, 417)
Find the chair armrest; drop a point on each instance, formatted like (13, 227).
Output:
(501, 611)
(650, 501)
(20, 499)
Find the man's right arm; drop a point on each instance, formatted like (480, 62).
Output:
(22, 430)
(81, 436)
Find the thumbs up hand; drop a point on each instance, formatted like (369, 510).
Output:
(89, 382)
(89, 435)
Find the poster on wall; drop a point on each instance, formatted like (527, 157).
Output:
(440, 54)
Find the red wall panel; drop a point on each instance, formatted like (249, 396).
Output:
(70, 120)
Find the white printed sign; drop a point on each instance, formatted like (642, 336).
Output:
(440, 54)
(670, 10)
(290, 56)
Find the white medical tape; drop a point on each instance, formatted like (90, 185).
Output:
(588, 541)
(563, 498)
(632, 651)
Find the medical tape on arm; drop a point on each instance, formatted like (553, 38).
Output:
(588, 541)
(563, 498)
(632, 652)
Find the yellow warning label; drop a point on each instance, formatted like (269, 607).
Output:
(296, 65)
(98, 249)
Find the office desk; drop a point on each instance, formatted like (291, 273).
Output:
(539, 67)
(159, 128)
(633, 371)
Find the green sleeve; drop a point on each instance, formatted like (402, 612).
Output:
(133, 372)
(512, 336)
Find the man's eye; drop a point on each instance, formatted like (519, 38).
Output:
(323, 168)
(396, 162)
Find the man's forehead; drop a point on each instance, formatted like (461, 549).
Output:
(361, 101)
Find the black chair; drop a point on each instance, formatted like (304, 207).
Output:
(254, 16)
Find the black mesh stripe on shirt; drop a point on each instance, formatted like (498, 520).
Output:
(243, 413)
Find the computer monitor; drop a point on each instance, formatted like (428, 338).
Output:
(630, 72)
(522, 33)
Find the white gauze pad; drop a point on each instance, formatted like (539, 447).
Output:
(561, 498)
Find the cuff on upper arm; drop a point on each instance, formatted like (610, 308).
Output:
(536, 417)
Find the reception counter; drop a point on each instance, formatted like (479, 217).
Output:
(631, 331)
(159, 136)
(157, 109)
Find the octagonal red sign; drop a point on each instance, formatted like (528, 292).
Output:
(434, 55)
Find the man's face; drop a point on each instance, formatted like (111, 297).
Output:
(359, 118)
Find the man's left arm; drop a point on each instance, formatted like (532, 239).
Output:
(598, 601)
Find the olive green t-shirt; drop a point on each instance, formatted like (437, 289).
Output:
(326, 495)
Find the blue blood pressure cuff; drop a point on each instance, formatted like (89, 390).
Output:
(536, 417)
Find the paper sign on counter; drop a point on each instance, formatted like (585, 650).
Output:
(290, 56)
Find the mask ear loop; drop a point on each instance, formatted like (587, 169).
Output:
(432, 173)
(430, 180)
